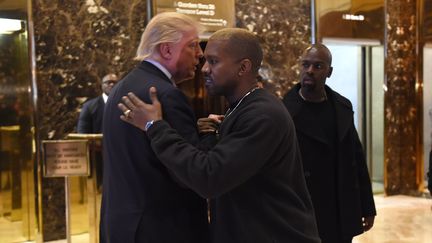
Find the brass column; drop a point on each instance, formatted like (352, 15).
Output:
(402, 126)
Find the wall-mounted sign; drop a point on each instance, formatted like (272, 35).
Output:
(353, 20)
(65, 158)
(213, 14)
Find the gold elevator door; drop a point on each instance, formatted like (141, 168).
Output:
(17, 187)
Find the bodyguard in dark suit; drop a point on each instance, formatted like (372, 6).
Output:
(141, 202)
(253, 175)
(90, 119)
(333, 159)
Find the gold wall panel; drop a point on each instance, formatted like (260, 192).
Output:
(333, 19)
(427, 24)
(17, 157)
(401, 112)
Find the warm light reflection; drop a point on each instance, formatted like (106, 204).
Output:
(8, 26)
(353, 17)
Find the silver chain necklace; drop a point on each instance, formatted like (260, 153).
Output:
(229, 111)
(304, 98)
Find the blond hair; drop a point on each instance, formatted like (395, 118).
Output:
(167, 27)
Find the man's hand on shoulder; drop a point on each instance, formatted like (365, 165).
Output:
(138, 113)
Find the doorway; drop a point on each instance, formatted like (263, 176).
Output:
(358, 74)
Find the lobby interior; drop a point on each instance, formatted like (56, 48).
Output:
(52, 59)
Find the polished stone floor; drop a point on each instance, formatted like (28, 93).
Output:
(401, 219)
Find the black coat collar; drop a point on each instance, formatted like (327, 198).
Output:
(343, 109)
(149, 67)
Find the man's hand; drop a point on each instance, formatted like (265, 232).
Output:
(137, 112)
(368, 222)
(209, 124)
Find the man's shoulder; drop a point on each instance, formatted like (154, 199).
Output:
(92, 105)
(93, 101)
(265, 103)
(151, 74)
(338, 98)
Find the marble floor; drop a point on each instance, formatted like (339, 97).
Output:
(401, 219)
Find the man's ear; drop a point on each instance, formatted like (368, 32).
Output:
(245, 66)
(165, 50)
(330, 72)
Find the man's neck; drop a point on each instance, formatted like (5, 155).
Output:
(160, 66)
(240, 93)
(313, 96)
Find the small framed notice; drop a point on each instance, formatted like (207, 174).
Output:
(65, 158)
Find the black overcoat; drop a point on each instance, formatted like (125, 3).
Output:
(253, 175)
(140, 201)
(353, 189)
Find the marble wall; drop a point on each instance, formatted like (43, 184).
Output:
(401, 114)
(284, 30)
(77, 42)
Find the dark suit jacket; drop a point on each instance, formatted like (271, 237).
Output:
(253, 174)
(90, 119)
(140, 201)
(353, 189)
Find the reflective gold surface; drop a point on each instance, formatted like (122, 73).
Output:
(401, 115)
(90, 192)
(17, 153)
(401, 219)
(351, 19)
(427, 23)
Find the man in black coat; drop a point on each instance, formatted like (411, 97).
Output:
(253, 175)
(333, 158)
(141, 202)
(90, 119)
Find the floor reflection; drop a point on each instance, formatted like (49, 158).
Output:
(401, 219)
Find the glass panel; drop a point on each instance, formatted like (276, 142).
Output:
(17, 198)
(427, 104)
(376, 118)
(352, 68)
(346, 75)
